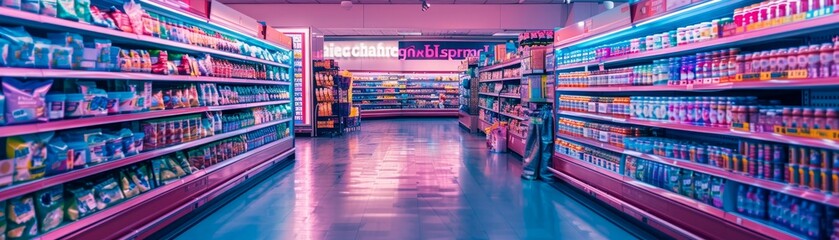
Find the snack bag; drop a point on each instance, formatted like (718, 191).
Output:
(67, 10)
(49, 8)
(21, 46)
(50, 207)
(83, 10)
(42, 53)
(79, 202)
(33, 6)
(129, 188)
(107, 193)
(26, 102)
(29, 153)
(22, 222)
(59, 157)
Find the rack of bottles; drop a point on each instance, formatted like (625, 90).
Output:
(115, 113)
(406, 94)
(726, 118)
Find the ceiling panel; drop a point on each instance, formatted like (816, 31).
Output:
(372, 1)
(407, 2)
(470, 1)
(539, 1)
(441, 1)
(501, 1)
(302, 1)
(328, 1)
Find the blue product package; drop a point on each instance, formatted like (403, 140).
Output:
(21, 46)
(42, 53)
(113, 147)
(2, 108)
(62, 57)
(59, 157)
(80, 153)
(11, 4)
(33, 6)
(4, 52)
(26, 101)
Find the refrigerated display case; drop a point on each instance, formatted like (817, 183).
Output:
(389, 94)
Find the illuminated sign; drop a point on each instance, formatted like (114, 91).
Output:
(410, 50)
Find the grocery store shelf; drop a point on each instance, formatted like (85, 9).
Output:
(504, 114)
(747, 38)
(409, 112)
(763, 136)
(500, 80)
(711, 170)
(488, 94)
(510, 96)
(27, 187)
(14, 130)
(436, 88)
(673, 204)
(766, 84)
(18, 17)
(257, 159)
(641, 215)
(378, 104)
(82, 74)
(508, 63)
(361, 87)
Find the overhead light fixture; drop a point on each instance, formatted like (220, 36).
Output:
(409, 33)
(425, 5)
(608, 4)
(506, 34)
(346, 4)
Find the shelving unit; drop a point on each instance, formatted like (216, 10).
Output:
(499, 84)
(385, 94)
(608, 87)
(468, 114)
(262, 131)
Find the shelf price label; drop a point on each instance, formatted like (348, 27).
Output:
(765, 76)
(797, 74)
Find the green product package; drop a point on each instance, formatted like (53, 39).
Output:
(687, 183)
(673, 174)
(67, 10)
(49, 204)
(21, 220)
(78, 202)
(107, 193)
(83, 10)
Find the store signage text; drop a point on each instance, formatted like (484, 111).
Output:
(406, 50)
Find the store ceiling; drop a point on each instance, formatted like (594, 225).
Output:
(405, 32)
(410, 1)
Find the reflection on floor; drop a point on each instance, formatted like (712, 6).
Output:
(403, 179)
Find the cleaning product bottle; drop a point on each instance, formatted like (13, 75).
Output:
(741, 199)
(760, 203)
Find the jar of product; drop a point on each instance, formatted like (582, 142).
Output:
(722, 109)
(826, 60)
(773, 61)
(831, 122)
(807, 118)
(701, 65)
(796, 118)
(818, 118)
(55, 106)
(715, 29)
(713, 70)
(792, 59)
(781, 60)
(804, 60)
(755, 63)
(753, 117)
(813, 63)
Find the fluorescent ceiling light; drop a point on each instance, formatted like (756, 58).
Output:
(409, 33)
(505, 34)
(698, 6)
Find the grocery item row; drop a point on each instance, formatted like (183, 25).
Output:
(133, 18)
(759, 16)
(39, 212)
(499, 74)
(35, 101)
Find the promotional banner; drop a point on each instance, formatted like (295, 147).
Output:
(645, 9)
(432, 50)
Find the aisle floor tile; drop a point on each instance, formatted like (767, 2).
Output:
(403, 179)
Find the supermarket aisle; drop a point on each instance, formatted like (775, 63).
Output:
(403, 179)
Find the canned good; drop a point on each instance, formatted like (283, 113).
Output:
(794, 175)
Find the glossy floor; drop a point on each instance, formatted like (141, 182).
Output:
(403, 179)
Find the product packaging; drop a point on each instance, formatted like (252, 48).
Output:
(83, 10)
(11, 4)
(33, 6)
(49, 205)
(62, 57)
(29, 153)
(67, 10)
(42, 53)
(49, 8)
(107, 193)
(59, 157)
(74, 106)
(79, 202)
(55, 105)
(21, 46)
(26, 101)
(80, 153)
(22, 221)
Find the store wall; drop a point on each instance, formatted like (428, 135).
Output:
(360, 64)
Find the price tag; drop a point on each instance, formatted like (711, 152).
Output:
(739, 221)
(797, 74)
(780, 129)
(765, 76)
(689, 87)
(738, 78)
(799, 17)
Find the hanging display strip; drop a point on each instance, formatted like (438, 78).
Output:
(14, 16)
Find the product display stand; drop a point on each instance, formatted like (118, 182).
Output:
(132, 126)
(331, 94)
(406, 94)
(500, 100)
(727, 135)
(468, 115)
